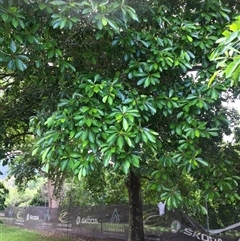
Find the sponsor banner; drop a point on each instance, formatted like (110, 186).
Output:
(112, 222)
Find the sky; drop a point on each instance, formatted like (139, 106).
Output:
(4, 170)
(236, 104)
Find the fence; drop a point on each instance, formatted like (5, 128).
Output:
(112, 222)
(219, 217)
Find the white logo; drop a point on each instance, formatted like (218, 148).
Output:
(20, 214)
(87, 220)
(175, 226)
(78, 220)
(64, 216)
(115, 217)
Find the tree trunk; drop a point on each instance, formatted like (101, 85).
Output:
(53, 202)
(136, 232)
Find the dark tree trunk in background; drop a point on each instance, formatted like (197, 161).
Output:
(136, 232)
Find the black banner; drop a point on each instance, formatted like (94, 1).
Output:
(112, 221)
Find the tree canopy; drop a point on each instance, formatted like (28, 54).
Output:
(122, 85)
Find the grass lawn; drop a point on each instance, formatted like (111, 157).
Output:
(8, 233)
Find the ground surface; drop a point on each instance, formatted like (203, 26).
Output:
(10, 233)
(72, 237)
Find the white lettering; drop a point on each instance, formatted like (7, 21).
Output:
(89, 220)
(199, 236)
(204, 237)
(18, 223)
(64, 225)
(118, 231)
(31, 217)
(188, 231)
(47, 224)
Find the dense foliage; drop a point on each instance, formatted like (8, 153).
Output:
(227, 54)
(121, 85)
(3, 193)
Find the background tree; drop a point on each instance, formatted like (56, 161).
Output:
(26, 168)
(3, 193)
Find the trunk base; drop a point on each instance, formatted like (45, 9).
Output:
(136, 232)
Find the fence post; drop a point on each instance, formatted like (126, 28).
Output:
(207, 216)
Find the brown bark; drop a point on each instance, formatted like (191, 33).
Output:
(136, 232)
(53, 202)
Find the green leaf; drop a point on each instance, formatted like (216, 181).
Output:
(88, 122)
(144, 136)
(125, 166)
(58, 2)
(45, 152)
(91, 137)
(231, 37)
(12, 9)
(35, 151)
(58, 52)
(4, 16)
(107, 158)
(120, 141)
(179, 130)
(104, 21)
(104, 99)
(125, 124)
(11, 64)
(197, 133)
(84, 171)
(213, 77)
(47, 167)
(132, 13)
(113, 25)
(99, 24)
(214, 94)
(149, 135)
(75, 155)
(201, 161)
(232, 67)
(190, 39)
(135, 160)
(64, 164)
(42, 6)
(112, 138)
(20, 65)
(63, 23)
(110, 100)
(14, 22)
(13, 46)
(83, 135)
(128, 140)
(56, 23)
(51, 53)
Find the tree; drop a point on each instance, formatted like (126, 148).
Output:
(22, 198)
(103, 187)
(125, 97)
(227, 54)
(3, 194)
(25, 168)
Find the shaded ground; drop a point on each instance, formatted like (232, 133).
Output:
(73, 237)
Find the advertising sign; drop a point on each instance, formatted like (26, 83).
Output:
(112, 222)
